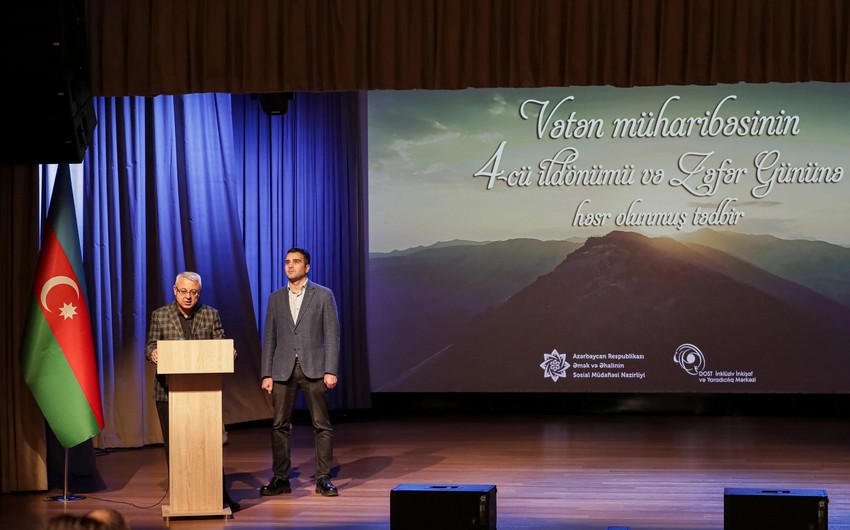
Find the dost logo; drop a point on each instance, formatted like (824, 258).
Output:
(554, 365)
(692, 361)
(690, 358)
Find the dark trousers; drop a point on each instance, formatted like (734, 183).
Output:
(162, 412)
(283, 398)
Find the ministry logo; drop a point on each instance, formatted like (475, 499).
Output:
(690, 358)
(554, 365)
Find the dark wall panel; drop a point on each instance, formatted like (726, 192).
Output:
(49, 116)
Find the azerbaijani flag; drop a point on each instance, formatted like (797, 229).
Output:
(57, 351)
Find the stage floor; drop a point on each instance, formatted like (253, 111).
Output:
(551, 472)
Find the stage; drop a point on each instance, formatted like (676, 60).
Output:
(570, 472)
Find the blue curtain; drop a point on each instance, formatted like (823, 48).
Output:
(210, 183)
(302, 185)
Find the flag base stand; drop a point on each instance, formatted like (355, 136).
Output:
(66, 498)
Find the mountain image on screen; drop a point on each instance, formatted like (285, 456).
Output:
(480, 317)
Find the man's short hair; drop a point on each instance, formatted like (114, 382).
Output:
(302, 252)
(109, 516)
(191, 276)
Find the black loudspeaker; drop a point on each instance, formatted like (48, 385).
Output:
(46, 91)
(774, 509)
(443, 507)
(276, 104)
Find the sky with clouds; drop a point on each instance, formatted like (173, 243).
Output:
(425, 148)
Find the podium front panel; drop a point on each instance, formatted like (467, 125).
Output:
(194, 369)
(195, 440)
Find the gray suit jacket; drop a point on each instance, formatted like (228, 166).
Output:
(165, 325)
(314, 338)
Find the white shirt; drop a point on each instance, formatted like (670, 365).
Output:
(295, 300)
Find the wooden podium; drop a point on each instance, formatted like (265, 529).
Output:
(195, 475)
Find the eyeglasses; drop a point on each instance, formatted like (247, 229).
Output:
(193, 293)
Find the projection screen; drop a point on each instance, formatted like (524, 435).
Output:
(600, 239)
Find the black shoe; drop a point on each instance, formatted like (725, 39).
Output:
(276, 487)
(326, 487)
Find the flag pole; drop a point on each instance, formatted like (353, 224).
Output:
(65, 497)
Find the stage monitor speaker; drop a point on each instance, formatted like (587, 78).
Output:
(443, 507)
(46, 94)
(774, 509)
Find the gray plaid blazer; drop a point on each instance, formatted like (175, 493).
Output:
(165, 325)
(314, 338)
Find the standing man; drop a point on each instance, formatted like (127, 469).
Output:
(184, 318)
(300, 350)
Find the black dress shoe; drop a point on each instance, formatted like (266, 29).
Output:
(326, 487)
(276, 487)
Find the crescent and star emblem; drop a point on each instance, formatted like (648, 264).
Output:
(67, 310)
